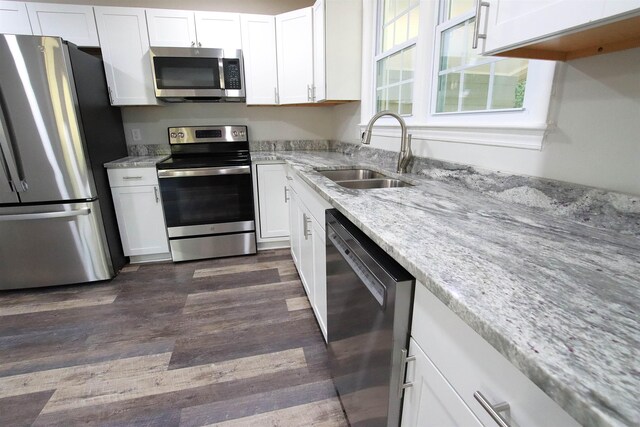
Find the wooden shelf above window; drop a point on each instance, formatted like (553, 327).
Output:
(587, 41)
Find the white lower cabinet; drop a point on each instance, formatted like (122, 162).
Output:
(453, 363)
(307, 224)
(432, 401)
(273, 212)
(136, 198)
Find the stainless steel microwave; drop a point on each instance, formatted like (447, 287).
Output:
(198, 74)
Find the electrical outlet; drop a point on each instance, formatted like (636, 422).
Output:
(136, 134)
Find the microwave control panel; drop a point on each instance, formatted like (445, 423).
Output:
(232, 76)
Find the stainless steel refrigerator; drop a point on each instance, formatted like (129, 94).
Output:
(57, 128)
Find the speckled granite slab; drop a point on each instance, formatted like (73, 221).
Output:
(149, 149)
(558, 298)
(136, 162)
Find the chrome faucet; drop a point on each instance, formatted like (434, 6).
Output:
(405, 147)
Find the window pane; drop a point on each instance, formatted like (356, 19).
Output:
(406, 99)
(452, 50)
(401, 6)
(414, 20)
(475, 92)
(448, 92)
(387, 37)
(389, 10)
(509, 82)
(394, 84)
(393, 103)
(456, 8)
(381, 100)
(407, 64)
(401, 29)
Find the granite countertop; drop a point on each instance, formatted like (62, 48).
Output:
(558, 298)
(136, 162)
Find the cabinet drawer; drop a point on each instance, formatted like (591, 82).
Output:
(471, 364)
(128, 177)
(308, 196)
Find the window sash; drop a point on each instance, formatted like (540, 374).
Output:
(437, 73)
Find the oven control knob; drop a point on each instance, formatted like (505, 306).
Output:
(180, 134)
(173, 134)
(234, 133)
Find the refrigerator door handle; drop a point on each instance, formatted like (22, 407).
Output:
(6, 153)
(46, 215)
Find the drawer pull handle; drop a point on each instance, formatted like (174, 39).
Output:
(404, 360)
(494, 410)
(155, 192)
(476, 26)
(132, 177)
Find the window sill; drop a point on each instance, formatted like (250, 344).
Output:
(528, 136)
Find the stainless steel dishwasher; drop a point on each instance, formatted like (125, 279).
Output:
(369, 310)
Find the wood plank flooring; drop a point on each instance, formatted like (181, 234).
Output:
(226, 342)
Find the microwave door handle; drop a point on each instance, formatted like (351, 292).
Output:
(7, 156)
(221, 72)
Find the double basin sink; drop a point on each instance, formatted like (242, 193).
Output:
(362, 179)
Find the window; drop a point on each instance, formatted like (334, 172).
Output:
(398, 30)
(467, 81)
(423, 67)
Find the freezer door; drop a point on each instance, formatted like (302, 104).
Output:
(52, 245)
(39, 105)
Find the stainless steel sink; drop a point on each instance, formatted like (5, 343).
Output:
(351, 174)
(362, 179)
(367, 184)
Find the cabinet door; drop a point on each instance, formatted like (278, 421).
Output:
(140, 220)
(306, 252)
(125, 52)
(320, 276)
(171, 28)
(319, 54)
(294, 31)
(294, 225)
(515, 22)
(431, 401)
(218, 30)
(272, 205)
(14, 18)
(260, 66)
(71, 22)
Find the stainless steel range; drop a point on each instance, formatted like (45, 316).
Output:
(207, 192)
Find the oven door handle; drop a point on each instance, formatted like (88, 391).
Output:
(191, 172)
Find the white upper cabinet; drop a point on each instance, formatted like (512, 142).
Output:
(218, 30)
(125, 52)
(294, 32)
(171, 28)
(260, 65)
(74, 23)
(186, 28)
(14, 18)
(558, 29)
(337, 34)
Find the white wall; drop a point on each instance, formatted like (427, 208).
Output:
(265, 123)
(268, 7)
(596, 141)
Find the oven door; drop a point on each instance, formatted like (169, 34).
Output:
(209, 200)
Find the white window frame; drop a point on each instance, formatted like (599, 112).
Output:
(379, 54)
(519, 128)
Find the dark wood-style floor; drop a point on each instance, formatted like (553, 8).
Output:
(227, 342)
